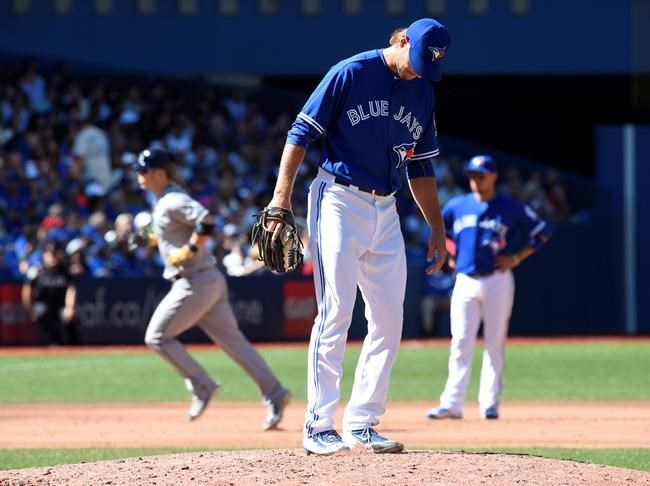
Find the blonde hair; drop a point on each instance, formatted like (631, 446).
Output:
(395, 36)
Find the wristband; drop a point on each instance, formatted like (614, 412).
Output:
(516, 259)
(205, 229)
(193, 248)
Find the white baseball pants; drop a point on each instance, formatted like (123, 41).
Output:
(474, 299)
(355, 238)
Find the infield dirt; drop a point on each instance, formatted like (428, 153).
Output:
(238, 426)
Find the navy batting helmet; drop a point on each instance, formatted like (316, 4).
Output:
(154, 158)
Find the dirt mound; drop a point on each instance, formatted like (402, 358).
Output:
(292, 467)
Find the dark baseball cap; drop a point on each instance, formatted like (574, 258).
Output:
(153, 158)
(429, 40)
(481, 163)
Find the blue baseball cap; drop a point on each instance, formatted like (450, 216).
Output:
(429, 40)
(481, 163)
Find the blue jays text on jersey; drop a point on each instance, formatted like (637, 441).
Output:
(483, 230)
(376, 122)
(380, 108)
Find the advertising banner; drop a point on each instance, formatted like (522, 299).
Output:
(15, 326)
(117, 310)
(299, 308)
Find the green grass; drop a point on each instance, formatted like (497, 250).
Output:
(588, 371)
(22, 458)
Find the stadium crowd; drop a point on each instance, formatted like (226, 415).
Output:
(67, 142)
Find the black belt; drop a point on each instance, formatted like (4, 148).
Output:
(476, 274)
(179, 276)
(374, 192)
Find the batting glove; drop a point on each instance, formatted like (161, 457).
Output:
(181, 255)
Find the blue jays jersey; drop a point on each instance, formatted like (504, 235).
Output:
(375, 123)
(483, 230)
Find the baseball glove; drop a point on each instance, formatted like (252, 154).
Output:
(284, 254)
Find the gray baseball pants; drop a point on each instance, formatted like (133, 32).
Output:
(202, 299)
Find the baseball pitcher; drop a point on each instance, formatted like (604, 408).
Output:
(376, 111)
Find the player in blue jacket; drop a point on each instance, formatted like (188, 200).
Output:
(485, 227)
(376, 111)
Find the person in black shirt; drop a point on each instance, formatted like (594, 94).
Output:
(49, 296)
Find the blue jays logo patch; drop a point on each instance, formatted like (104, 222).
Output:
(437, 53)
(497, 243)
(404, 152)
(494, 234)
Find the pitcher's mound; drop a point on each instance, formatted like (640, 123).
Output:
(292, 467)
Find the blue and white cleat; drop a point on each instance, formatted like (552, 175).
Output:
(324, 443)
(373, 441)
(490, 413)
(443, 413)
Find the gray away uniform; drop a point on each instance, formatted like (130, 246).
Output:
(198, 296)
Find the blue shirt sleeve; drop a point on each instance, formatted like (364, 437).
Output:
(321, 109)
(421, 163)
(420, 169)
(536, 228)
